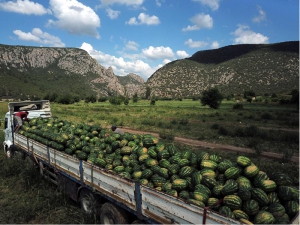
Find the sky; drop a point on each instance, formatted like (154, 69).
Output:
(140, 36)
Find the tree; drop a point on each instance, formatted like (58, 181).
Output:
(148, 92)
(295, 97)
(211, 97)
(249, 93)
(135, 97)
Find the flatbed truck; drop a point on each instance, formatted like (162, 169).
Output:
(115, 199)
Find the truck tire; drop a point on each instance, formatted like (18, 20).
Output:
(89, 203)
(112, 214)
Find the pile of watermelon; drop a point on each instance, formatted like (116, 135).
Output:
(236, 189)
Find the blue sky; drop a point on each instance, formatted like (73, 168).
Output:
(140, 36)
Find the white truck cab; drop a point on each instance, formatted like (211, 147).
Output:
(40, 108)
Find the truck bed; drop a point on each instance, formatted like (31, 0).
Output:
(150, 203)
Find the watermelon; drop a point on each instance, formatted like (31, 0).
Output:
(186, 171)
(251, 171)
(292, 208)
(276, 209)
(243, 161)
(232, 173)
(240, 214)
(250, 207)
(179, 184)
(230, 187)
(226, 211)
(268, 185)
(200, 196)
(260, 196)
(232, 201)
(264, 217)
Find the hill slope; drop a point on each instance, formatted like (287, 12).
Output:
(268, 68)
(36, 71)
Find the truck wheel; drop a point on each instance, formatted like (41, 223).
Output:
(112, 214)
(89, 203)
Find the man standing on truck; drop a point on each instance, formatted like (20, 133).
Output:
(117, 130)
(19, 118)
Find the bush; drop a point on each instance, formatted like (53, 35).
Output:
(115, 101)
(102, 99)
(152, 101)
(126, 101)
(215, 126)
(183, 122)
(266, 116)
(238, 106)
(212, 98)
(223, 131)
(167, 136)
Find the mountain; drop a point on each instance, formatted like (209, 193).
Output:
(37, 71)
(263, 68)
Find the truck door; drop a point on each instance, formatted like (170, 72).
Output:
(7, 129)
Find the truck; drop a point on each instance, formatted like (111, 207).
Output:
(113, 198)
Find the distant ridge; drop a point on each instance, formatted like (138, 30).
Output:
(263, 68)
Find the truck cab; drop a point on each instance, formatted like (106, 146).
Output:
(40, 108)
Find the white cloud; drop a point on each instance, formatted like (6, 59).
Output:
(213, 4)
(158, 2)
(215, 45)
(24, 7)
(158, 52)
(244, 35)
(262, 15)
(131, 45)
(120, 66)
(122, 2)
(112, 13)
(38, 36)
(182, 54)
(75, 18)
(201, 21)
(166, 61)
(143, 19)
(195, 44)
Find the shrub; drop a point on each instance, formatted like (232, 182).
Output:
(238, 106)
(223, 131)
(183, 121)
(266, 116)
(215, 126)
(152, 101)
(252, 131)
(126, 101)
(212, 98)
(115, 101)
(167, 136)
(102, 99)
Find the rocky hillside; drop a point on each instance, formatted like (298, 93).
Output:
(268, 68)
(38, 70)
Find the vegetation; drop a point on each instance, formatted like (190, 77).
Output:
(211, 97)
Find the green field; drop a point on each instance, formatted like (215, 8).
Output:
(258, 125)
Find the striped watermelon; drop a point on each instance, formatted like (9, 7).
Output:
(232, 201)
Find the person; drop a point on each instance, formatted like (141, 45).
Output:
(117, 130)
(19, 118)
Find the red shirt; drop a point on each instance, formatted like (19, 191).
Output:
(22, 114)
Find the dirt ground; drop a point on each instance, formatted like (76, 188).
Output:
(221, 147)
